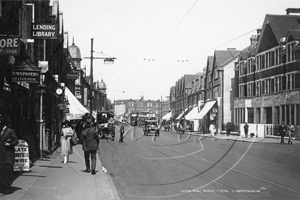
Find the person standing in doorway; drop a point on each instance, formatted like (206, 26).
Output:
(282, 131)
(66, 134)
(246, 129)
(90, 145)
(8, 141)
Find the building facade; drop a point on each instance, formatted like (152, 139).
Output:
(268, 80)
(141, 106)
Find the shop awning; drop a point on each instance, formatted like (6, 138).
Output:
(192, 115)
(181, 114)
(205, 109)
(76, 109)
(167, 116)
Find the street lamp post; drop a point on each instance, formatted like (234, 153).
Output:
(106, 60)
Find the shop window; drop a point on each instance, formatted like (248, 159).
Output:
(258, 115)
(288, 117)
(292, 114)
(250, 115)
(297, 121)
(268, 115)
(283, 113)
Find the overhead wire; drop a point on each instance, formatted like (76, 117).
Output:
(186, 60)
(138, 75)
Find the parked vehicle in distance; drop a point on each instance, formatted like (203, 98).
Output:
(106, 125)
(151, 126)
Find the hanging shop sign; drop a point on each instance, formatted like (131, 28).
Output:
(66, 110)
(9, 46)
(22, 162)
(25, 76)
(62, 106)
(72, 75)
(85, 96)
(44, 31)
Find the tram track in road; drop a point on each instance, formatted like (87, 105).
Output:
(253, 158)
(192, 142)
(212, 180)
(159, 142)
(238, 171)
(235, 170)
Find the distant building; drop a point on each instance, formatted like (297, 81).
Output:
(141, 105)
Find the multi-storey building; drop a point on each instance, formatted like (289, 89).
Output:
(141, 106)
(32, 101)
(180, 102)
(218, 107)
(268, 80)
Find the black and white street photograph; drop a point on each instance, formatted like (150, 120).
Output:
(149, 100)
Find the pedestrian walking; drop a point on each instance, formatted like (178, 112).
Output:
(212, 129)
(282, 131)
(246, 129)
(228, 128)
(8, 140)
(90, 145)
(291, 129)
(121, 132)
(66, 134)
(81, 124)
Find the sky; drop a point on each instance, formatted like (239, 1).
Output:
(156, 42)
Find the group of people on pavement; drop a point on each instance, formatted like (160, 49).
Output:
(286, 131)
(87, 135)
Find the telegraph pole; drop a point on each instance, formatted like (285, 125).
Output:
(106, 60)
(91, 78)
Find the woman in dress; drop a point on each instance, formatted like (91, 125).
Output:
(212, 130)
(66, 134)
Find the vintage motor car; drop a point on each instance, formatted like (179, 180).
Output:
(106, 125)
(151, 126)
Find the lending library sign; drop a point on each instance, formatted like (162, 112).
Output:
(44, 31)
(25, 76)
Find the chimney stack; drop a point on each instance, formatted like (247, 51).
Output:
(295, 11)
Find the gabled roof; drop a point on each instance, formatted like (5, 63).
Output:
(282, 23)
(190, 77)
(223, 57)
(210, 63)
(276, 27)
(293, 35)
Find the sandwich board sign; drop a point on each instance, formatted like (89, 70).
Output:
(22, 162)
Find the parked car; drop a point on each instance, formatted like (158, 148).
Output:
(151, 126)
(106, 125)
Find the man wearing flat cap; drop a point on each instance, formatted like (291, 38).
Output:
(90, 145)
(8, 140)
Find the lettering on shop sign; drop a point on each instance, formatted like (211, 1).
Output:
(25, 76)
(44, 31)
(72, 75)
(22, 162)
(9, 46)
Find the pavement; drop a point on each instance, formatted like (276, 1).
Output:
(242, 138)
(50, 179)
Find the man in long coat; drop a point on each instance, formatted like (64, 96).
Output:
(90, 145)
(282, 131)
(8, 140)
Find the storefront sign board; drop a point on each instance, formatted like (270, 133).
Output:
(22, 162)
(9, 46)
